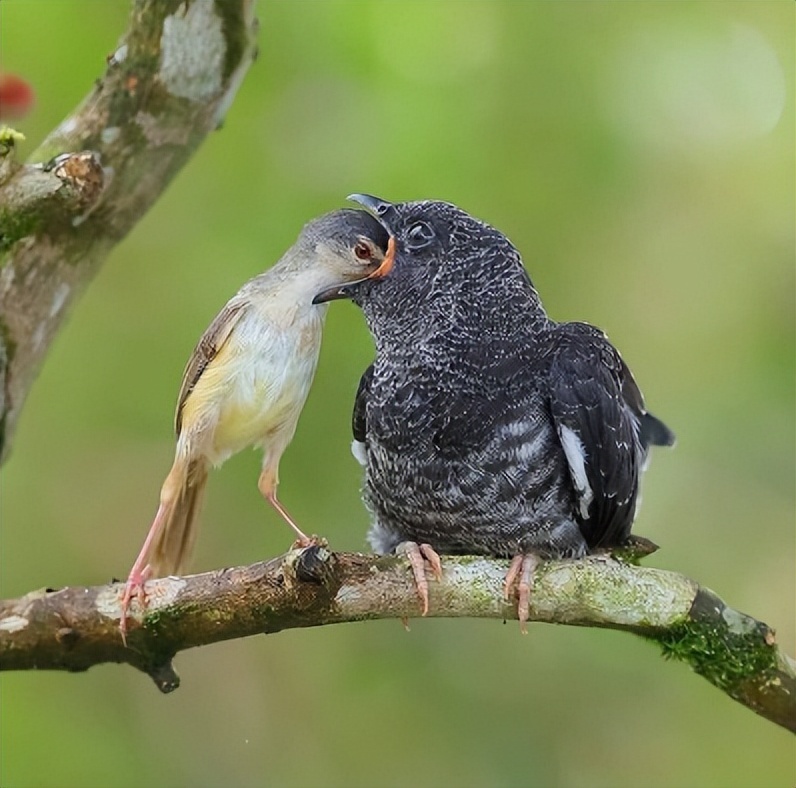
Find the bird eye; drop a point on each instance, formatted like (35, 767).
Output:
(419, 235)
(362, 251)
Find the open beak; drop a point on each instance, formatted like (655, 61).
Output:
(387, 263)
(345, 290)
(381, 209)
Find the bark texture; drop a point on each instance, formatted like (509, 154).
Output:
(75, 628)
(165, 88)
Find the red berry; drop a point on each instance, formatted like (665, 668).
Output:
(16, 96)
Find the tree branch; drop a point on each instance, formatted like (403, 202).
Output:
(168, 84)
(75, 628)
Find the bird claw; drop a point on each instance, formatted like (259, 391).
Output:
(521, 572)
(133, 588)
(418, 554)
(309, 541)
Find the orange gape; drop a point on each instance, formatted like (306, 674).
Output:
(388, 262)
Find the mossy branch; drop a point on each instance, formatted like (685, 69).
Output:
(167, 85)
(75, 628)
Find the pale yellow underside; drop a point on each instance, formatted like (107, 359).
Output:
(254, 389)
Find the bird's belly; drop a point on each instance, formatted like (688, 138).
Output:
(250, 420)
(258, 396)
(502, 498)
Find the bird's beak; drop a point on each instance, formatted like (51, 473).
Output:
(384, 212)
(346, 290)
(336, 293)
(381, 209)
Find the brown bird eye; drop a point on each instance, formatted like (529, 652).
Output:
(362, 251)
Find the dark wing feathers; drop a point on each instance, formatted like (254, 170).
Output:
(213, 339)
(591, 395)
(358, 422)
(653, 432)
(588, 390)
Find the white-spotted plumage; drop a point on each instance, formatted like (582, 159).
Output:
(489, 428)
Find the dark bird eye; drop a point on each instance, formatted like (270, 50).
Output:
(419, 235)
(362, 251)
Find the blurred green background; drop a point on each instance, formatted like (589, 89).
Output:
(641, 157)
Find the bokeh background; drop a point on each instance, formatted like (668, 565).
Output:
(641, 157)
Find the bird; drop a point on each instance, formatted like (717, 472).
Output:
(485, 427)
(248, 378)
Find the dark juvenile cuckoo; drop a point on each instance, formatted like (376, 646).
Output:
(484, 426)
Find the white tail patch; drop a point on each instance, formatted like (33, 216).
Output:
(358, 450)
(576, 458)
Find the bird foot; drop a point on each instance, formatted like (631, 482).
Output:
(521, 572)
(416, 553)
(133, 588)
(309, 541)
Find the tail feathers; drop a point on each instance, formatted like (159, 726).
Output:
(654, 432)
(181, 501)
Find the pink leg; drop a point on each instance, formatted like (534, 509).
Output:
(267, 485)
(140, 572)
(522, 567)
(169, 495)
(416, 553)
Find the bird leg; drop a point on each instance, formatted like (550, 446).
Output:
(267, 485)
(134, 587)
(416, 553)
(141, 571)
(522, 567)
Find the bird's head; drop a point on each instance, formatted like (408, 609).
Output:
(341, 246)
(435, 251)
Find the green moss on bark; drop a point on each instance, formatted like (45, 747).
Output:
(236, 34)
(14, 226)
(724, 646)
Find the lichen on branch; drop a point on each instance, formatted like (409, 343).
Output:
(75, 628)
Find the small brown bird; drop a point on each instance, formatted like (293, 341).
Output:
(248, 378)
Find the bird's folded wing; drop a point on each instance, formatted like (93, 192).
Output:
(358, 418)
(208, 347)
(598, 430)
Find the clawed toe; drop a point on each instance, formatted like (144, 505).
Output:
(133, 588)
(309, 541)
(521, 572)
(418, 554)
